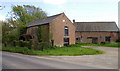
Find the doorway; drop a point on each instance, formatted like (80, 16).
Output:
(66, 41)
(95, 40)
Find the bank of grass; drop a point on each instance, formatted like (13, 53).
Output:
(115, 44)
(72, 50)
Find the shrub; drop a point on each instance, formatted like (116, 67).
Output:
(45, 45)
(15, 43)
(23, 43)
(20, 43)
(74, 45)
(34, 44)
(26, 50)
(29, 45)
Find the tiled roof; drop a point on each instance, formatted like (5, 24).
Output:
(95, 26)
(43, 21)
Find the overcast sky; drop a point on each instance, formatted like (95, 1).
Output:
(80, 10)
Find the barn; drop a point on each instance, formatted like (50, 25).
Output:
(96, 32)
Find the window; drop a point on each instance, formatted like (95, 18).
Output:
(78, 38)
(66, 31)
(107, 38)
(63, 20)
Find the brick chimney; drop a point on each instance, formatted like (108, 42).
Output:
(73, 20)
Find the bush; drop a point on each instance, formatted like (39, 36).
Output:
(45, 45)
(23, 50)
(33, 44)
(74, 45)
(20, 43)
(102, 43)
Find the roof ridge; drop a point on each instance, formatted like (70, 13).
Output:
(101, 26)
(98, 22)
(43, 21)
(55, 15)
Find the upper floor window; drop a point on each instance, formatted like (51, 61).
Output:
(66, 31)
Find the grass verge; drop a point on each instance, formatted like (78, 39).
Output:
(72, 50)
(100, 45)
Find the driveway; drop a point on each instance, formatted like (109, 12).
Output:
(19, 61)
(109, 60)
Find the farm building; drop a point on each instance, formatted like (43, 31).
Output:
(95, 32)
(57, 27)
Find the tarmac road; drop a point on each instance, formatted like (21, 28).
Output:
(19, 61)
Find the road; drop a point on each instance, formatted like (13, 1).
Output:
(19, 61)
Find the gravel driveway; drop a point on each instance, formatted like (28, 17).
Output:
(109, 60)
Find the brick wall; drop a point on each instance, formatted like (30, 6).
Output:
(57, 28)
(100, 35)
(33, 32)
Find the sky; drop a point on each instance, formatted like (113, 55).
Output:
(80, 10)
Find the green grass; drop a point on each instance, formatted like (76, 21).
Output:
(23, 50)
(72, 50)
(100, 45)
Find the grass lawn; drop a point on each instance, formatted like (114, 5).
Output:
(71, 51)
(101, 45)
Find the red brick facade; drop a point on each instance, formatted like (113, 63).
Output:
(87, 37)
(56, 30)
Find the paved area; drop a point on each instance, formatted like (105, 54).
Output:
(19, 61)
(109, 60)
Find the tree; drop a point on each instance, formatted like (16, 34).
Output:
(16, 23)
(5, 31)
(26, 13)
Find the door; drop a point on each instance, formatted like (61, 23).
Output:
(66, 41)
(95, 40)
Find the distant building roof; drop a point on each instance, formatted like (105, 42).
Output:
(43, 21)
(95, 26)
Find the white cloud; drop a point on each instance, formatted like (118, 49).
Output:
(2, 17)
(55, 2)
(86, 1)
(20, 0)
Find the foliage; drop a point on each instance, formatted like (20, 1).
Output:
(10, 32)
(40, 45)
(39, 33)
(45, 45)
(23, 43)
(5, 32)
(71, 51)
(22, 29)
(15, 25)
(42, 34)
(33, 44)
(23, 50)
(74, 45)
(26, 13)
